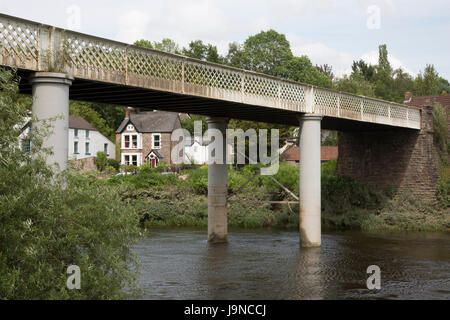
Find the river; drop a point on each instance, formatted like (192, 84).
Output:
(268, 264)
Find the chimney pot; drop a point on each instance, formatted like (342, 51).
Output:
(128, 112)
(408, 96)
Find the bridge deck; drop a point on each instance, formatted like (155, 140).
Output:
(118, 73)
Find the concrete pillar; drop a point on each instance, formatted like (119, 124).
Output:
(51, 100)
(217, 187)
(310, 192)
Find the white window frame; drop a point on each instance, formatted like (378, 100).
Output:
(153, 141)
(76, 147)
(87, 146)
(130, 127)
(130, 135)
(139, 158)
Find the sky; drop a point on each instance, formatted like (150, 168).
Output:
(334, 32)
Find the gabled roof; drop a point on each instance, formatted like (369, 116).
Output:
(443, 100)
(326, 153)
(152, 121)
(156, 154)
(77, 122)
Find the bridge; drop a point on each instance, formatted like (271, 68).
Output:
(57, 65)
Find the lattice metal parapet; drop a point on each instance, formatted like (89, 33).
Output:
(29, 45)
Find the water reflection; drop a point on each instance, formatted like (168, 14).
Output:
(180, 264)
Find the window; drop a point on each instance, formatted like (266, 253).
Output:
(75, 133)
(87, 148)
(130, 127)
(156, 141)
(105, 148)
(87, 134)
(75, 147)
(131, 159)
(126, 160)
(131, 141)
(26, 145)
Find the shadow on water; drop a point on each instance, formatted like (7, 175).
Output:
(261, 264)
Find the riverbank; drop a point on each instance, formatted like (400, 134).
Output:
(167, 200)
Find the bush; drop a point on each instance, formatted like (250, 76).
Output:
(329, 168)
(440, 125)
(113, 163)
(101, 160)
(49, 222)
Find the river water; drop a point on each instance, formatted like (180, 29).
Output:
(180, 264)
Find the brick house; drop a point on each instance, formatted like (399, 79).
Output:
(292, 154)
(145, 137)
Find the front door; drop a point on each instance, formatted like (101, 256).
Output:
(153, 163)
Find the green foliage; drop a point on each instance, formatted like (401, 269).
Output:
(198, 181)
(113, 163)
(166, 45)
(331, 138)
(440, 125)
(49, 222)
(206, 52)
(162, 167)
(302, 70)
(267, 52)
(427, 83)
(443, 187)
(328, 168)
(355, 84)
(188, 123)
(85, 110)
(341, 194)
(101, 160)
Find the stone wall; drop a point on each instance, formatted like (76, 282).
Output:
(407, 160)
(86, 164)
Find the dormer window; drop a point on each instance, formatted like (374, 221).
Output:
(130, 127)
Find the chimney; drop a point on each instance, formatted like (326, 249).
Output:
(408, 97)
(128, 112)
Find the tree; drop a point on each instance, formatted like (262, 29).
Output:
(301, 69)
(166, 45)
(85, 110)
(236, 56)
(206, 52)
(428, 83)
(355, 84)
(267, 52)
(327, 70)
(363, 69)
(51, 221)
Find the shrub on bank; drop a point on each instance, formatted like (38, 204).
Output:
(49, 222)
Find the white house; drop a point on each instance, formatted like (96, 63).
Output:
(85, 140)
(197, 153)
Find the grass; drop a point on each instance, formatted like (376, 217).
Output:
(167, 201)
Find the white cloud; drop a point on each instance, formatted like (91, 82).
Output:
(132, 26)
(320, 53)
